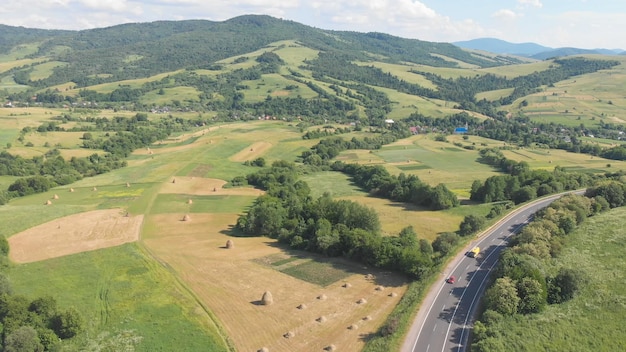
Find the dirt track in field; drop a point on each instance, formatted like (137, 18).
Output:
(252, 152)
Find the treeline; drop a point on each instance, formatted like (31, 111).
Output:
(402, 188)
(32, 324)
(331, 227)
(528, 276)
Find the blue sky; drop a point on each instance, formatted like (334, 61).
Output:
(556, 23)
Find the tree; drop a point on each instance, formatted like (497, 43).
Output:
(564, 286)
(533, 295)
(471, 224)
(68, 323)
(445, 242)
(24, 339)
(502, 296)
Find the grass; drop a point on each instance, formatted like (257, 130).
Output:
(183, 94)
(44, 70)
(177, 203)
(335, 183)
(320, 273)
(129, 301)
(592, 320)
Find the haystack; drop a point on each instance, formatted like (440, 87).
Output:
(56, 196)
(230, 244)
(190, 201)
(289, 334)
(173, 180)
(330, 348)
(393, 294)
(321, 319)
(186, 217)
(361, 301)
(48, 202)
(267, 298)
(302, 306)
(379, 288)
(322, 297)
(346, 285)
(353, 327)
(214, 189)
(127, 184)
(71, 190)
(369, 277)
(151, 152)
(367, 318)
(263, 349)
(94, 189)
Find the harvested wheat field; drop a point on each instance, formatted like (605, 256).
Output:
(205, 187)
(74, 234)
(231, 283)
(252, 152)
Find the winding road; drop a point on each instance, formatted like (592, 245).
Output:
(444, 319)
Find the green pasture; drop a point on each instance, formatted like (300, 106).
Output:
(132, 83)
(183, 94)
(274, 85)
(336, 183)
(406, 104)
(177, 203)
(129, 301)
(512, 71)
(294, 54)
(402, 71)
(9, 84)
(494, 94)
(593, 319)
(7, 65)
(20, 51)
(44, 70)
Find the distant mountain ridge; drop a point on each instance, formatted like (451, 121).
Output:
(531, 50)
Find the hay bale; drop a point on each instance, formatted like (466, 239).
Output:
(330, 348)
(361, 301)
(127, 184)
(302, 306)
(393, 294)
(151, 152)
(263, 349)
(55, 197)
(367, 318)
(369, 277)
(173, 180)
(190, 201)
(48, 202)
(379, 288)
(353, 327)
(230, 244)
(94, 188)
(346, 285)
(186, 217)
(321, 319)
(267, 298)
(214, 189)
(322, 297)
(289, 334)
(71, 190)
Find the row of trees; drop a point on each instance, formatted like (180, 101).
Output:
(526, 277)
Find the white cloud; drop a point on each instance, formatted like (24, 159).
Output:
(534, 3)
(505, 14)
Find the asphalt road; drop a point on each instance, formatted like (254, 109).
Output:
(444, 320)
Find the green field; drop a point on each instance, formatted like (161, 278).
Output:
(593, 319)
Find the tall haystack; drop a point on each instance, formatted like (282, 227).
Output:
(302, 306)
(346, 285)
(55, 196)
(48, 202)
(330, 348)
(150, 152)
(190, 201)
(186, 217)
(289, 334)
(361, 301)
(267, 298)
(263, 349)
(367, 318)
(353, 327)
(71, 190)
(393, 294)
(214, 189)
(322, 297)
(321, 319)
(230, 244)
(94, 188)
(369, 277)
(173, 180)
(379, 288)
(127, 184)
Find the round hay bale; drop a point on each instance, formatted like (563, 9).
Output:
(379, 288)
(330, 348)
(95, 189)
(302, 306)
(214, 189)
(322, 297)
(127, 184)
(56, 196)
(346, 285)
(230, 244)
(353, 327)
(321, 319)
(190, 201)
(151, 152)
(267, 298)
(173, 180)
(186, 217)
(263, 349)
(71, 190)
(361, 301)
(393, 294)
(369, 277)
(367, 318)
(251, 149)
(48, 202)
(289, 334)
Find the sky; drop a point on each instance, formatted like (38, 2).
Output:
(585, 24)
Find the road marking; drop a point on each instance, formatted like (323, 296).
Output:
(467, 267)
(427, 347)
(443, 307)
(435, 327)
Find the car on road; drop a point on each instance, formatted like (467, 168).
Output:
(451, 280)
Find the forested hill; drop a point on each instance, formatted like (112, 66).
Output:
(12, 36)
(144, 49)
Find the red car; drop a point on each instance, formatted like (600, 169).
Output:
(451, 280)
